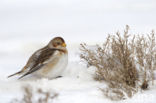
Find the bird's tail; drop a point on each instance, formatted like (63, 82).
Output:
(15, 74)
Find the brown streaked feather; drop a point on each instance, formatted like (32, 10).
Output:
(45, 54)
(17, 73)
(38, 61)
(14, 74)
(31, 62)
(32, 70)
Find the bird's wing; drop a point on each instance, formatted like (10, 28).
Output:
(38, 60)
(32, 70)
(32, 62)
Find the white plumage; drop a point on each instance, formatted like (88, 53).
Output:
(55, 70)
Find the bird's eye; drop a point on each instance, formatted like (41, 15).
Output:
(58, 43)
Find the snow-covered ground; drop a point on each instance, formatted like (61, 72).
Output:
(27, 25)
(76, 86)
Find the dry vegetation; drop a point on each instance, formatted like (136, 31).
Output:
(125, 62)
(38, 96)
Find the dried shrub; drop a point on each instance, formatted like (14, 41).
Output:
(145, 51)
(40, 96)
(119, 61)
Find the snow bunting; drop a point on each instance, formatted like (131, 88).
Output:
(48, 62)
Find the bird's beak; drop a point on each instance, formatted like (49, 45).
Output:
(64, 44)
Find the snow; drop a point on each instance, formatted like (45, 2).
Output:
(27, 25)
(76, 85)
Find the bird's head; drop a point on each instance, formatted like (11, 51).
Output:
(57, 42)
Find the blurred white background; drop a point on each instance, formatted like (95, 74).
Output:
(75, 20)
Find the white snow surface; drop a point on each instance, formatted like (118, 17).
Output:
(27, 25)
(76, 85)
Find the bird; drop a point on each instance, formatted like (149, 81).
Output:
(48, 62)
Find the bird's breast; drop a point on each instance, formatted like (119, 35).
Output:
(55, 66)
